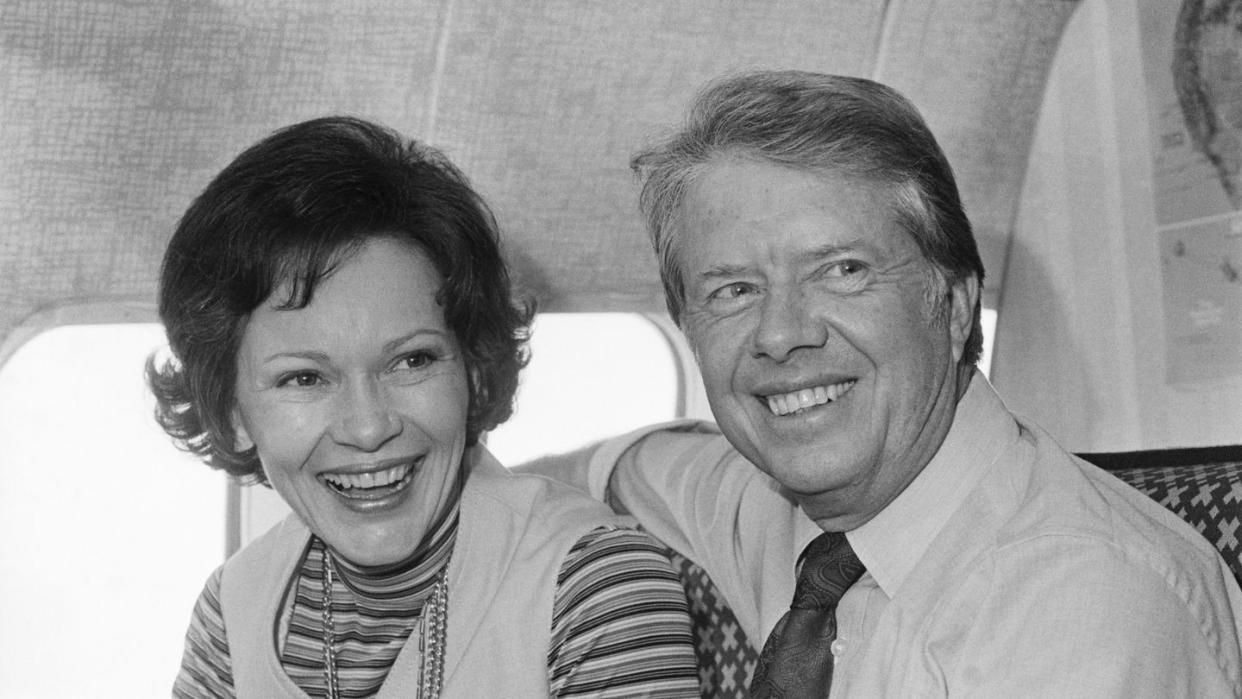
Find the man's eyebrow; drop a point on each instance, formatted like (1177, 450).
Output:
(835, 249)
(828, 250)
(724, 271)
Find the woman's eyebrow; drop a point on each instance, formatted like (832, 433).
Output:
(312, 355)
(395, 343)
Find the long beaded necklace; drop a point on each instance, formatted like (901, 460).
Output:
(433, 624)
(329, 640)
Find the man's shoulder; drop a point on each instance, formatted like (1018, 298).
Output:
(1050, 535)
(1072, 524)
(1037, 504)
(1070, 497)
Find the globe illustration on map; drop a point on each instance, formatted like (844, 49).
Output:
(1207, 75)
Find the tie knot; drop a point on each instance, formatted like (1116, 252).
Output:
(829, 567)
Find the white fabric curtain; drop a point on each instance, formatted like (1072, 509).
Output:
(1105, 337)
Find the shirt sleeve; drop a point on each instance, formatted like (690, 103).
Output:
(206, 670)
(619, 621)
(620, 454)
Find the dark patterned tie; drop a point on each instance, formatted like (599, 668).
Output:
(797, 659)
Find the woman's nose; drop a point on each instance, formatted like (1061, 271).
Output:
(366, 420)
(786, 324)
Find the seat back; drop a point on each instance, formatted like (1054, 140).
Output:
(726, 656)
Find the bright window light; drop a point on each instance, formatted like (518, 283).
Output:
(591, 376)
(988, 320)
(107, 532)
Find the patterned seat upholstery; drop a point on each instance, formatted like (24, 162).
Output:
(726, 657)
(1202, 486)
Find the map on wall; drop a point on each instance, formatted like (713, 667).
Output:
(1192, 62)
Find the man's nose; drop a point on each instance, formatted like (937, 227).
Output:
(787, 323)
(366, 420)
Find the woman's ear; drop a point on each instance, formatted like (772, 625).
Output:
(241, 437)
(476, 385)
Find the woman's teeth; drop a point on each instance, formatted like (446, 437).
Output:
(795, 401)
(342, 482)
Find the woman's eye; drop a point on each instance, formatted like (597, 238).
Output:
(416, 360)
(300, 379)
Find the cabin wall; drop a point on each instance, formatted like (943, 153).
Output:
(1095, 338)
(115, 113)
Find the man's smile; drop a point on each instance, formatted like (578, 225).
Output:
(791, 402)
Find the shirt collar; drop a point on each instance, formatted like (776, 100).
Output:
(892, 543)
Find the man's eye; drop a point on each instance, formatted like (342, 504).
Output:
(845, 268)
(732, 291)
(300, 379)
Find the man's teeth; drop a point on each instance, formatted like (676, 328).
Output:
(345, 481)
(789, 403)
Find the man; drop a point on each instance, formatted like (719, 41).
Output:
(814, 251)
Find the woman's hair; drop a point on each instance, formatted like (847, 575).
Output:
(835, 125)
(290, 209)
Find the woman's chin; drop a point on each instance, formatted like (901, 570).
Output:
(377, 539)
(370, 553)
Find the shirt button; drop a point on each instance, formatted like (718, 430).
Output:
(837, 648)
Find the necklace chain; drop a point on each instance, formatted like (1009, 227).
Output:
(329, 640)
(432, 628)
(431, 642)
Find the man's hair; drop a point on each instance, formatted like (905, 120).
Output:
(835, 125)
(291, 209)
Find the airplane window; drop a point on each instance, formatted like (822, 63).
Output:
(107, 532)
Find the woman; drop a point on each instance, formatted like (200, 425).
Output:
(342, 330)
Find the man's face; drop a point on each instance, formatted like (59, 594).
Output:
(808, 310)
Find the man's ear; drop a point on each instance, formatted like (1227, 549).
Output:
(241, 437)
(963, 300)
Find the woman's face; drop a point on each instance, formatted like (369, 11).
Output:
(357, 403)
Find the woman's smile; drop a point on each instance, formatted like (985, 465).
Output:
(372, 488)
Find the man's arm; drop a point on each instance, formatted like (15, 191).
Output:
(570, 467)
(643, 455)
